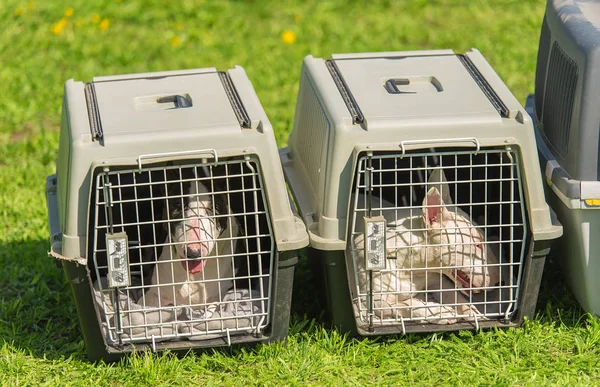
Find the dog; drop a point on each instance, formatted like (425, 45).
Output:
(426, 251)
(195, 267)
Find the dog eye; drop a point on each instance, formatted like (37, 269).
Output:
(175, 209)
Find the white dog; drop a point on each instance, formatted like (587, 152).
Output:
(196, 264)
(425, 249)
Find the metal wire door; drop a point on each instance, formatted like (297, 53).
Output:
(140, 210)
(463, 266)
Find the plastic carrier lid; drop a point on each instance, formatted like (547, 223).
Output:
(401, 87)
(178, 100)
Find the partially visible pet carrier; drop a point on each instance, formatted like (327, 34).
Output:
(416, 175)
(170, 215)
(567, 121)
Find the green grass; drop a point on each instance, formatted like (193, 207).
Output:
(40, 339)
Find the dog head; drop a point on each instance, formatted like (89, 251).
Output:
(458, 246)
(195, 225)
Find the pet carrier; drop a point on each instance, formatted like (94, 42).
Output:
(416, 175)
(567, 121)
(170, 214)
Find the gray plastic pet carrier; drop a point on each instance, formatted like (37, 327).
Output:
(567, 116)
(170, 215)
(416, 174)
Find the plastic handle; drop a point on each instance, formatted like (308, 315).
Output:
(391, 85)
(403, 144)
(181, 153)
(179, 101)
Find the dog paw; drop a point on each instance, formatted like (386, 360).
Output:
(445, 321)
(469, 312)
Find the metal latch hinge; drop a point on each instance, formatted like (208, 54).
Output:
(117, 244)
(375, 243)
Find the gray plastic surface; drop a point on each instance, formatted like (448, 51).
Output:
(324, 145)
(574, 26)
(561, 180)
(572, 177)
(579, 247)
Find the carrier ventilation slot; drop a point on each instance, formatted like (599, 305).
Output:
(484, 86)
(559, 98)
(93, 112)
(357, 116)
(235, 100)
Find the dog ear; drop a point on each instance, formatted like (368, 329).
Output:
(434, 210)
(437, 179)
(173, 180)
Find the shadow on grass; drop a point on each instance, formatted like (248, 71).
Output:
(38, 314)
(308, 299)
(556, 304)
(37, 311)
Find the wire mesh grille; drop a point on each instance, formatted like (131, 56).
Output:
(200, 251)
(454, 237)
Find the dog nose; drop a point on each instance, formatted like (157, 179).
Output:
(193, 253)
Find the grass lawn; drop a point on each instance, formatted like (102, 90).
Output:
(42, 44)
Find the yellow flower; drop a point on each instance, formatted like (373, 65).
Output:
(104, 24)
(18, 11)
(95, 19)
(69, 12)
(288, 37)
(59, 26)
(31, 5)
(175, 41)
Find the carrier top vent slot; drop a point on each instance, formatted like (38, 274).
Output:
(93, 113)
(484, 86)
(357, 116)
(235, 100)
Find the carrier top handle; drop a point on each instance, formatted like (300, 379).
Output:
(167, 155)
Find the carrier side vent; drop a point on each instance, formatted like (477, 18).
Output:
(312, 129)
(484, 86)
(559, 98)
(93, 112)
(542, 65)
(235, 100)
(357, 116)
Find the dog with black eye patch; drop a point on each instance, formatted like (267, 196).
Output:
(196, 266)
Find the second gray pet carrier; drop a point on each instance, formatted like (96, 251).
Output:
(567, 115)
(170, 215)
(416, 174)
